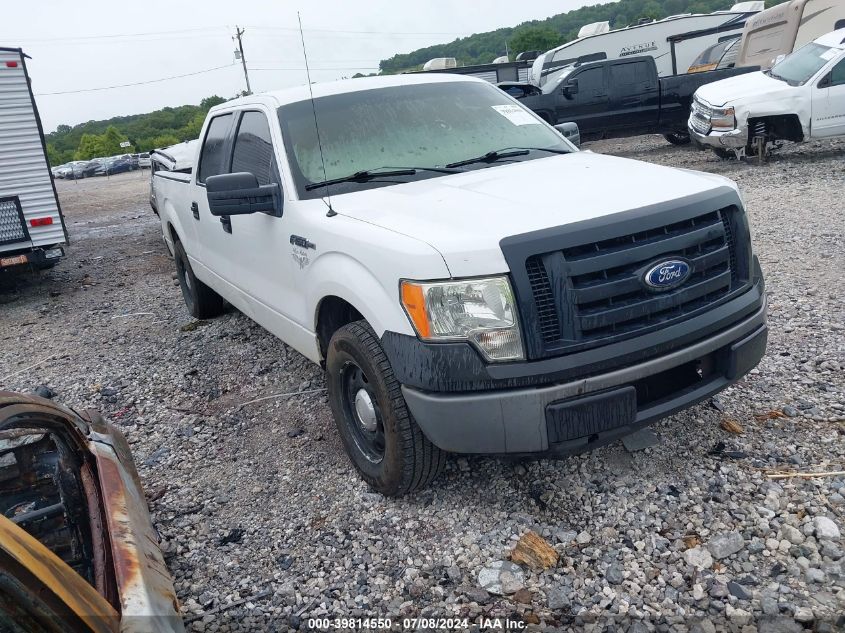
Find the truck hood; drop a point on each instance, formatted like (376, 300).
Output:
(750, 86)
(465, 216)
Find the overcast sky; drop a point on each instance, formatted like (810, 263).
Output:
(81, 44)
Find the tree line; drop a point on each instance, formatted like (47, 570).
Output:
(542, 35)
(144, 132)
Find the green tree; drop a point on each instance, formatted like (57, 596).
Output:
(111, 140)
(194, 127)
(90, 146)
(54, 157)
(163, 141)
(534, 38)
(209, 102)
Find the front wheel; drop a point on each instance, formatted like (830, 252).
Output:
(678, 138)
(382, 439)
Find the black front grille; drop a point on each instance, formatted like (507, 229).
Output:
(543, 299)
(592, 292)
(12, 223)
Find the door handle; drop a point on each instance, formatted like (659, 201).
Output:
(195, 209)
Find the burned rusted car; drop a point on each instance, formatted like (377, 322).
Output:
(78, 551)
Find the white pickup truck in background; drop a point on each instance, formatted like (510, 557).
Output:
(411, 247)
(802, 97)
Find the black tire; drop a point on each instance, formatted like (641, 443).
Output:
(403, 460)
(202, 302)
(724, 154)
(678, 138)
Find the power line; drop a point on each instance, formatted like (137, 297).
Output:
(204, 32)
(287, 28)
(258, 70)
(113, 36)
(137, 83)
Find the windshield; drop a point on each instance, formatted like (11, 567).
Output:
(712, 54)
(799, 67)
(554, 83)
(422, 125)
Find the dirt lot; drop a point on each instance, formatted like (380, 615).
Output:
(265, 525)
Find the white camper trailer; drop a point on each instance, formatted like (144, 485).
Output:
(673, 42)
(440, 63)
(32, 228)
(787, 27)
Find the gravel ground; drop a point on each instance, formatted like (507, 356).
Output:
(265, 525)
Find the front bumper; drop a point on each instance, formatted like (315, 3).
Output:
(735, 139)
(570, 417)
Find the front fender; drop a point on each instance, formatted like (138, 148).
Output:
(337, 274)
(782, 106)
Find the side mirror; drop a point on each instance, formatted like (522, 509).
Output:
(570, 87)
(240, 194)
(571, 132)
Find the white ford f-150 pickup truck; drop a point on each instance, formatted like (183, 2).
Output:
(802, 97)
(409, 242)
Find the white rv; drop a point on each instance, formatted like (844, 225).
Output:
(440, 63)
(32, 229)
(787, 27)
(673, 42)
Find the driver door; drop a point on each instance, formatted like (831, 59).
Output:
(588, 106)
(829, 103)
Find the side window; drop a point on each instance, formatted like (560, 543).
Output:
(254, 149)
(590, 82)
(837, 75)
(629, 74)
(212, 159)
(623, 74)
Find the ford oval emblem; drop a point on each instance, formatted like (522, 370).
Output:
(667, 274)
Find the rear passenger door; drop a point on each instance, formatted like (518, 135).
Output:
(252, 252)
(214, 159)
(262, 240)
(588, 106)
(634, 96)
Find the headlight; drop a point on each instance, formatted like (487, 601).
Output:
(722, 119)
(482, 311)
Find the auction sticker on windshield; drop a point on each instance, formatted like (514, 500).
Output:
(515, 114)
(829, 54)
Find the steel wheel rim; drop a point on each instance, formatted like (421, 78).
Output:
(361, 413)
(184, 279)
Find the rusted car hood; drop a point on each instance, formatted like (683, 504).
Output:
(100, 498)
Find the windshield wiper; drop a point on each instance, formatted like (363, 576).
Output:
(507, 152)
(386, 172)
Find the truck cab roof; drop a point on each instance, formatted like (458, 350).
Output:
(834, 39)
(342, 86)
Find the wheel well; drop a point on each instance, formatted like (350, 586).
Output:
(785, 127)
(174, 236)
(332, 315)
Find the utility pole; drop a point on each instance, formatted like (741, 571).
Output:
(238, 33)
